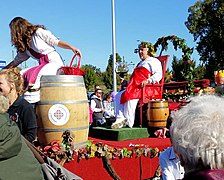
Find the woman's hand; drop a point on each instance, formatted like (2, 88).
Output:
(144, 82)
(147, 81)
(77, 51)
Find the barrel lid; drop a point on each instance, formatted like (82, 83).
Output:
(61, 78)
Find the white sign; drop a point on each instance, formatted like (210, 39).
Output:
(58, 114)
(2, 63)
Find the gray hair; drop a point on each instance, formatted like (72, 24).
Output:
(197, 132)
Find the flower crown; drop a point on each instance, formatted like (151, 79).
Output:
(148, 45)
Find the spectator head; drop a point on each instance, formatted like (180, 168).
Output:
(98, 93)
(113, 93)
(197, 133)
(108, 97)
(13, 79)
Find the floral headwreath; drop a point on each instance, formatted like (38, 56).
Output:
(148, 45)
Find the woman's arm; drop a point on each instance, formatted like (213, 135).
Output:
(10, 65)
(52, 40)
(20, 57)
(65, 45)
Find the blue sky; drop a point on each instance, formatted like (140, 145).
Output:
(87, 24)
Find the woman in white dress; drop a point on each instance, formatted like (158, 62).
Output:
(37, 42)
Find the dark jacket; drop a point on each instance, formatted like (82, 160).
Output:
(16, 159)
(97, 115)
(22, 112)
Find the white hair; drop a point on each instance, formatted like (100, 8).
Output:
(197, 132)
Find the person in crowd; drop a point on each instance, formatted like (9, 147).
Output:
(20, 111)
(198, 139)
(170, 165)
(96, 105)
(122, 76)
(113, 94)
(39, 43)
(109, 113)
(95, 88)
(148, 71)
(16, 159)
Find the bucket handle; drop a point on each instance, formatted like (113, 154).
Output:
(78, 62)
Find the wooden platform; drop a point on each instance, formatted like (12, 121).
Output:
(106, 133)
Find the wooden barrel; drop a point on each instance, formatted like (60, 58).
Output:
(157, 114)
(63, 106)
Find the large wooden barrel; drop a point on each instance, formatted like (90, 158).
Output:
(157, 114)
(63, 106)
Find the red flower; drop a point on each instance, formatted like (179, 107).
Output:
(46, 148)
(196, 90)
(190, 62)
(55, 147)
(173, 36)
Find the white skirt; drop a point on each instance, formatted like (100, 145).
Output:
(55, 62)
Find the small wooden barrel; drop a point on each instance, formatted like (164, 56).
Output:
(63, 106)
(157, 114)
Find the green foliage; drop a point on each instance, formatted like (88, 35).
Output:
(186, 65)
(180, 72)
(90, 78)
(199, 72)
(108, 75)
(205, 22)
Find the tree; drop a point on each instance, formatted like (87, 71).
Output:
(186, 64)
(180, 72)
(199, 72)
(205, 22)
(90, 77)
(108, 75)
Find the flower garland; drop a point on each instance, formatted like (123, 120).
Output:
(181, 44)
(100, 150)
(66, 152)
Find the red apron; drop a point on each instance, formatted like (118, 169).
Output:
(30, 75)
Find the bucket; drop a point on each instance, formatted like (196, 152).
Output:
(157, 114)
(63, 106)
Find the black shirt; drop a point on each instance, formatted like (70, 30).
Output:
(22, 112)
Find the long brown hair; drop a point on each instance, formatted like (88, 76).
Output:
(21, 32)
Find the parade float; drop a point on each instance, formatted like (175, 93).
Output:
(105, 153)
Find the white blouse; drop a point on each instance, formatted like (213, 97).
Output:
(154, 66)
(42, 41)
